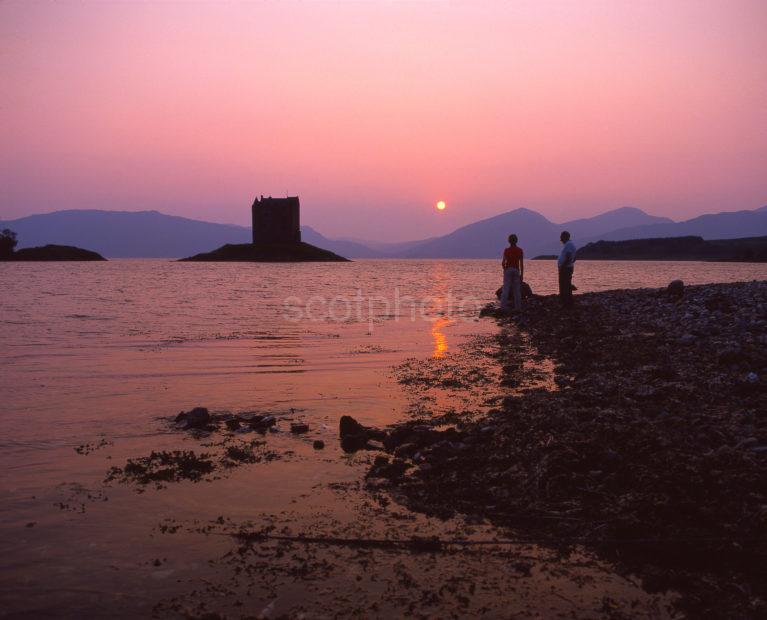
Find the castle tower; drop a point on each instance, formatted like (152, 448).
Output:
(276, 220)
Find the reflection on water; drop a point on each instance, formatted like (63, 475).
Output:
(440, 339)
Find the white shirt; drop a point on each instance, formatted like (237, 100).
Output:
(567, 256)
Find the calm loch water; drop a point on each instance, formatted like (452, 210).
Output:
(103, 353)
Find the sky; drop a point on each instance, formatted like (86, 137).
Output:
(373, 111)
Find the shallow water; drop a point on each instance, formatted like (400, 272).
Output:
(106, 352)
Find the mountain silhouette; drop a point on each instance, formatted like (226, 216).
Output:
(725, 225)
(537, 234)
(338, 246)
(126, 234)
(487, 238)
(624, 217)
(150, 234)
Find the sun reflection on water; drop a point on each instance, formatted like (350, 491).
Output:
(440, 340)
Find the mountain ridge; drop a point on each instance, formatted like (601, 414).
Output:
(722, 225)
(150, 233)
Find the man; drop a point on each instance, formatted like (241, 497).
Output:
(513, 265)
(565, 266)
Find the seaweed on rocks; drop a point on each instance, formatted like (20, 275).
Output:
(164, 466)
(225, 450)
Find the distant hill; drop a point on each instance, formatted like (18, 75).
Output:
(137, 234)
(540, 236)
(753, 249)
(390, 249)
(624, 217)
(352, 249)
(725, 225)
(123, 234)
(537, 235)
(487, 238)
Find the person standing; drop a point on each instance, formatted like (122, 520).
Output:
(513, 265)
(565, 266)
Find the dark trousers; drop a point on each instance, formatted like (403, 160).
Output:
(566, 286)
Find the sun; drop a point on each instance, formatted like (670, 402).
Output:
(441, 205)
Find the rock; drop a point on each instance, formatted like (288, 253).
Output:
(383, 469)
(349, 426)
(405, 450)
(232, 424)
(380, 460)
(196, 418)
(352, 443)
(377, 483)
(318, 444)
(675, 289)
(488, 310)
(687, 339)
(397, 437)
(262, 423)
(299, 427)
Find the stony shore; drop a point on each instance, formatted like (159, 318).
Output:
(649, 445)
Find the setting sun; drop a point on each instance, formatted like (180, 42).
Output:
(441, 205)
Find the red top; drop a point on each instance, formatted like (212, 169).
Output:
(513, 256)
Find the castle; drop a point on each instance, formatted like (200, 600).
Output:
(276, 220)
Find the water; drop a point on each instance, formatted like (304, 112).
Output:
(106, 352)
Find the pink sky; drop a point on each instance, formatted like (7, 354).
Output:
(372, 112)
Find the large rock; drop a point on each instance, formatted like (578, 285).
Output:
(352, 443)
(349, 426)
(675, 288)
(199, 417)
(354, 436)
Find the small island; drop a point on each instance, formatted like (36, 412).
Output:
(55, 253)
(8, 252)
(276, 237)
(747, 250)
(268, 253)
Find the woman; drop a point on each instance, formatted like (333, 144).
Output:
(513, 265)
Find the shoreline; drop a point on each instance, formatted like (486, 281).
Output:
(649, 448)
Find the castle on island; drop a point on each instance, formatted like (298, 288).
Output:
(276, 220)
(276, 237)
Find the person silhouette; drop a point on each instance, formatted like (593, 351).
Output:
(565, 267)
(513, 265)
